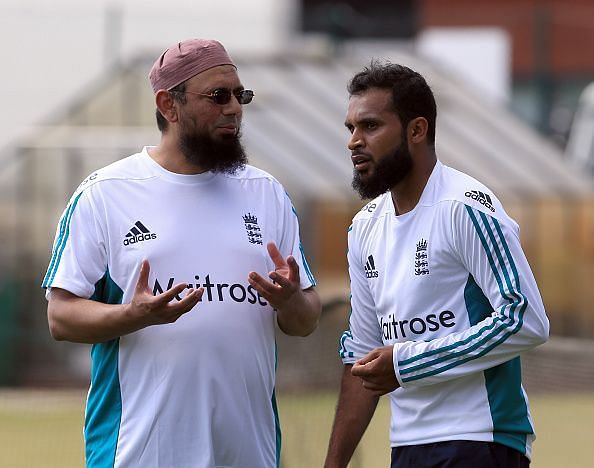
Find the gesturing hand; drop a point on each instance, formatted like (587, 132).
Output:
(376, 370)
(153, 310)
(285, 279)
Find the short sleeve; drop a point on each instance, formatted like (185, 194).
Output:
(290, 241)
(78, 259)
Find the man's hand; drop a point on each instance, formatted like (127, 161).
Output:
(81, 320)
(298, 311)
(285, 279)
(376, 370)
(156, 310)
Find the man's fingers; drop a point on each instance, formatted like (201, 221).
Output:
(368, 357)
(293, 269)
(256, 280)
(173, 311)
(262, 285)
(369, 385)
(275, 255)
(143, 276)
(366, 366)
(280, 280)
(377, 390)
(361, 370)
(370, 381)
(170, 294)
(192, 298)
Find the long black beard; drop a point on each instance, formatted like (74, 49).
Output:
(388, 172)
(224, 156)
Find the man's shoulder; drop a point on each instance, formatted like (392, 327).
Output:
(457, 186)
(373, 209)
(252, 174)
(128, 168)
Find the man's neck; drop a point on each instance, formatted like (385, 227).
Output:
(168, 155)
(407, 193)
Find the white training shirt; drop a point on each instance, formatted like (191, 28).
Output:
(449, 286)
(197, 393)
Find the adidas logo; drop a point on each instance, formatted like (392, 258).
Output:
(138, 233)
(482, 198)
(370, 270)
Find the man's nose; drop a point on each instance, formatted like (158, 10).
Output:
(355, 141)
(233, 107)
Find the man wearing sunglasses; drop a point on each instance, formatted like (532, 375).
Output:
(176, 263)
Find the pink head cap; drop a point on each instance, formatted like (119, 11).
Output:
(185, 60)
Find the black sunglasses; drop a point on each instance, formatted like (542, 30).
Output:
(222, 96)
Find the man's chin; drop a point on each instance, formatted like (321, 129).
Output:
(367, 189)
(223, 138)
(363, 176)
(215, 152)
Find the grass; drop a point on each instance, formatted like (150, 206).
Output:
(563, 422)
(306, 423)
(41, 429)
(44, 429)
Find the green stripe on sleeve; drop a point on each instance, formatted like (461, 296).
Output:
(60, 243)
(308, 272)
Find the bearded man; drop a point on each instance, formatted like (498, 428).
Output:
(443, 301)
(176, 263)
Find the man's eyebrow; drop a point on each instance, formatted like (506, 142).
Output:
(368, 119)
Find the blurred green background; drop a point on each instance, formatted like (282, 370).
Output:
(43, 429)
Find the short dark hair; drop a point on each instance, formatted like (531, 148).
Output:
(411, 95)
(178, 94)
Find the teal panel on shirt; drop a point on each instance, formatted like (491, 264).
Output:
(509, 410)
(275, 410)
(104, 404)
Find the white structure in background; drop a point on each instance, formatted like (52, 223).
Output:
(479, 56)
(580, 146)
(53, 50)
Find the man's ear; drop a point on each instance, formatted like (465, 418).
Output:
(166, 105)
(417, 130)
